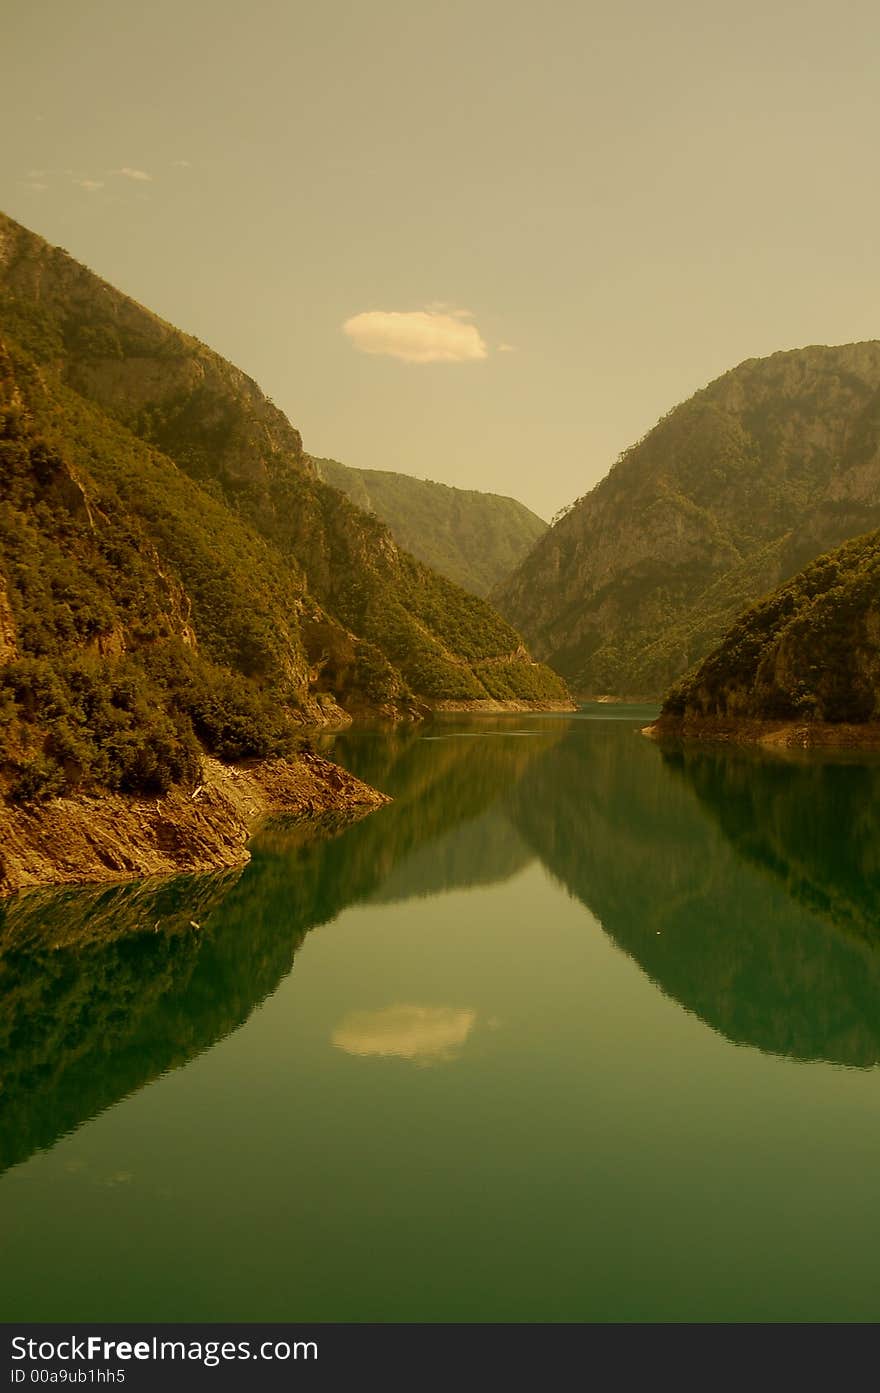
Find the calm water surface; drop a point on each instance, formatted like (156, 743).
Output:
(575, 1029)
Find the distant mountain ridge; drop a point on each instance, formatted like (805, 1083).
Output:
(732, 492)
(474, 539)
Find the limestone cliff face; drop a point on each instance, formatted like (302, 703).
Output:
(729, 494)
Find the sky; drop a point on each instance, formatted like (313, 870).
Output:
(479, 242)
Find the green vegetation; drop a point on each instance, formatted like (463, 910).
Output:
(730, 493)
(473, 538)
(810, 651)
(102, 685)
(173, 573)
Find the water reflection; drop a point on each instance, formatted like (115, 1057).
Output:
(812, 822)
(744, 885)
(747, 887)
(424, 1034)
(101, 990)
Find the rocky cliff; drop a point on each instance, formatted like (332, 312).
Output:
(96, 835)
(730, 493)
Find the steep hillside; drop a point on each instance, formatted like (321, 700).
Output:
(275, 576)
(809, 653)
(731, 493)
(472, 538)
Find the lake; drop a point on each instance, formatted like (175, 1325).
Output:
(576, 1029)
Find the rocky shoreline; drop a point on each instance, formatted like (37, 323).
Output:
(779, 734)
(113, 837)
(489, 705)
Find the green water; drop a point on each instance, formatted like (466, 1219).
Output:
(575, 1029)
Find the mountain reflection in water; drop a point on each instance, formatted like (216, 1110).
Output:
(745, 886)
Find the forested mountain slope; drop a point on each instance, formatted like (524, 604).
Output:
(173, 573)
(473, 538)
(730, 493)
(809, 653)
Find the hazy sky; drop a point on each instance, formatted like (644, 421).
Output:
(586, 211)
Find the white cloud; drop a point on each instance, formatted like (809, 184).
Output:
(37, 188)
(417, 336)
(90, 185)
(506, 348)
(139, 174)
(181, 164)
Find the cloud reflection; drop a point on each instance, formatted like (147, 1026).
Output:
(424, 1034)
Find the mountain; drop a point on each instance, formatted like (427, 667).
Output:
(472, 538)
(174, 576)
(731, 493)
(809, 654)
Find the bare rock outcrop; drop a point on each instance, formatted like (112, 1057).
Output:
(115, 837)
